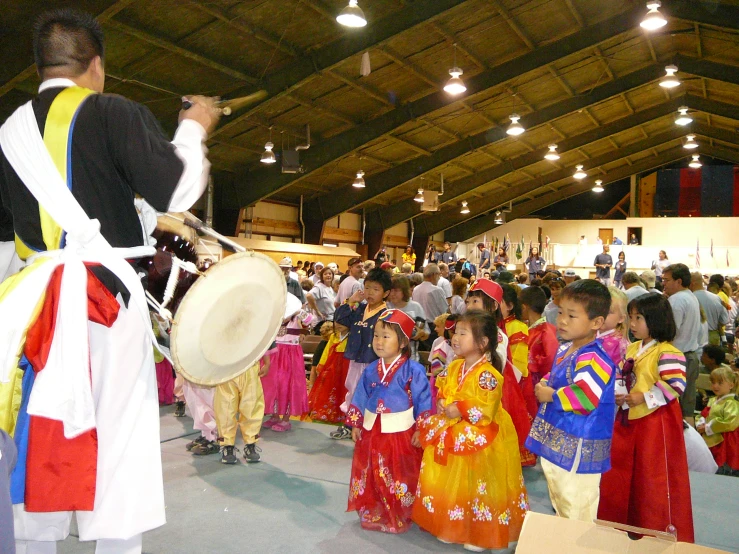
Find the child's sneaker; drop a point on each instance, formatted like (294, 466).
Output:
(251, 453)
(206, 448)
(228, 456)
(192, 444)
(341, 433)
(282, 426)
(179, 409)
(473, 548)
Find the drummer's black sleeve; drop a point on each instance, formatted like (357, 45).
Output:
(6, 220)
(141, 151)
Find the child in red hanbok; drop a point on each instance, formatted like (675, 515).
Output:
(329, 390)
(391, 396)
(543, 343)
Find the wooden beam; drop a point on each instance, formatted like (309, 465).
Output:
(180, 51)
(452, 39)
(575, 13)
(410, 66)
(307, 102)
(410, 145)
(364, 88)
(617, 206)
(515, 27)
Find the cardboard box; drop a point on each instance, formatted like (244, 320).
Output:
(544, 534)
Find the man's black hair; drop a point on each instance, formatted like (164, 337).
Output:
(68, 40)
(679, 272)
(715, 352)
(381, 277)
(534, 298)
(593, 295)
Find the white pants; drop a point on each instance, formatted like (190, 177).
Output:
(573, 495)
(351, 382)
(199, 402)
(129, 495)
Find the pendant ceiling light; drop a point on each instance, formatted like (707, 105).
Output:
(579, 172)
(465, 209)
(552, 154)
(268, 157)
(419, 196)
(598, 186)
(690, 144)
(683, 118)
(498, 218)
(515, 128)
(359, 181)
(695, 163)
(653, 20)
(670, 80)
(352, 16)
(455, 85)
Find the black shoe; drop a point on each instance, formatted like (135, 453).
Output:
(227, 455)
(206, 448)
(251, 453)
(192, 444)
(179, 410)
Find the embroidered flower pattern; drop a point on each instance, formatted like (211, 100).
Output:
(456, 514)
(480, 511)
(523, 502)
(469, 435)
(402, 494)
(474, 415)
(487, 381)
(356, 488)
(353, 416)
(482, 487)
(427, 502)
(505, 518)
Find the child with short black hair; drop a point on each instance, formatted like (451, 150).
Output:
(648, 485)
(471, 489)
(359, 313)
(713, 356)
(573, 429)
(543, 343)
(392, 395)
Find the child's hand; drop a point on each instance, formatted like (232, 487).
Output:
(701, 428)
(264, 370)
(544, 393)
(416, 439)
(356, 297)
(620, 399)
(635, 398)
(356, 433)
(452, 411)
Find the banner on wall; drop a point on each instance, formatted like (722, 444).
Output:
(710, 191)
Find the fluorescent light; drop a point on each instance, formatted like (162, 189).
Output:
(670, 80)
(359, 181)
(579, 172)
(268, 157)
(690, 144)
(552, 154)
(653, 20)
(515, 128)
(683, 118)
(465, 209)
(352, 16)
(330, 244)
(598, 186)
(695, 163)
(455, 85)
(419, 196)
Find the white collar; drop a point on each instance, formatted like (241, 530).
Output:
(605, 334)
(644, 347)
(724, 396)
(56, 83)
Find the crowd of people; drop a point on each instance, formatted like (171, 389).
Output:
(449, 385)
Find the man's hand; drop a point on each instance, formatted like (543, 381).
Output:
(203, 110)
(356, 433)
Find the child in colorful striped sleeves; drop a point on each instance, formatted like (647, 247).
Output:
(573, 428)
(648, 485)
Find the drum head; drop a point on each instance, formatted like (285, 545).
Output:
(228, 319)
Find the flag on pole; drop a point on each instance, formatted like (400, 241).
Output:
(697, 254)
(523, 245)
(728, 264)
(496, 244)
(506, 243)
(712, 248)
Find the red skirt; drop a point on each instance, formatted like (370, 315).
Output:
(385, 472)
(515, 404)
(727, 451)
(648, 484)
(329, 391)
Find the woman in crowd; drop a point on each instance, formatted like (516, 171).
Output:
(534, 263)
(321, 297)
(620, 269)
(459, 292)
(659, 265)
(432, 256)
(501, 260)
(409, 256)
(400, 299)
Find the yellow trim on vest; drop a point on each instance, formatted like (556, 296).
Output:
(56, 139)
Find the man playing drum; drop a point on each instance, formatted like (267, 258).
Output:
(71, 161)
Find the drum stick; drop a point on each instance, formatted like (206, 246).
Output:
(226, 107)
(200, 226)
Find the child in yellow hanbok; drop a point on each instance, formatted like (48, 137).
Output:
(471, 489)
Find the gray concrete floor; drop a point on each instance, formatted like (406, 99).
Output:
(295, 501)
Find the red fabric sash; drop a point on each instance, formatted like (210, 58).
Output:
(61, 472)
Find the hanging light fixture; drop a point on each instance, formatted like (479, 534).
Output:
(690, 144)
(670, 80)
(552, 154)
(352, 16)
(579, 172)
(515, 128)
(359, 181)
(598, 186)
(268, 157)
(695, 163)
(465, 209)
(683, 118)
(419, 196)
(653, 20)
(498, 218)
(455, 85)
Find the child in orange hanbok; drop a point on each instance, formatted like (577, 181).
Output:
(329, 391)
(471, 489)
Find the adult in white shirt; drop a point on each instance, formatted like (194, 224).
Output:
(444, 283)
(432, 300)
(322, 296)
(351, 284)
(316, 277)
(660, 265)
(632, 285)
(686, 311)
(716, 314)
